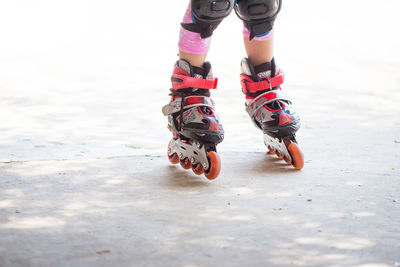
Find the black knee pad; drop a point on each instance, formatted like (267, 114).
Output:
(208, 14)
(258, 15)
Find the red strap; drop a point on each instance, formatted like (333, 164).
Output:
(192, 100)
(248, 86)
(183, 81)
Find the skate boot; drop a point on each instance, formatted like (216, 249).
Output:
(193, 121)
(271, 111)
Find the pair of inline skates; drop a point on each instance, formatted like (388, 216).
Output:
(196, 128)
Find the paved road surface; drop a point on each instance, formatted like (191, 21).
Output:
(84, 180)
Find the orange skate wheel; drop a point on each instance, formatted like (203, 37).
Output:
(297, 156)
(215, 165)
(279, 155)
(198, 169)
(174, 159)
(287, 160)
(270, 150)
(185, 163)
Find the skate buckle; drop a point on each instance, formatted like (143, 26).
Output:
(249, 86)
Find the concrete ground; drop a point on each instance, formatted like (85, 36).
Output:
(84, 178)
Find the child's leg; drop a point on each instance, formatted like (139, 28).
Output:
(193, 59)
(258, 19)
(191, 113)
(202, 17)
(192, 47)
(261, 82)
(259, 51)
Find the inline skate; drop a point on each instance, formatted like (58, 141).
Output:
(192, 119)
(271, 111)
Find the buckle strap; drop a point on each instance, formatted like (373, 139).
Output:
(180, 81)
(248, 86)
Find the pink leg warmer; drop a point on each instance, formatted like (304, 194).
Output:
(264, 37)
(191, 42)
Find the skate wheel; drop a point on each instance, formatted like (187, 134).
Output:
(297, 156)
(279, 155)
(215, 165)
(174, 159)
(185, 163)
(270, 150)
(197, 169)
(287, 160)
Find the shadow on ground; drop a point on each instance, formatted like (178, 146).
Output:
(140, 210)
